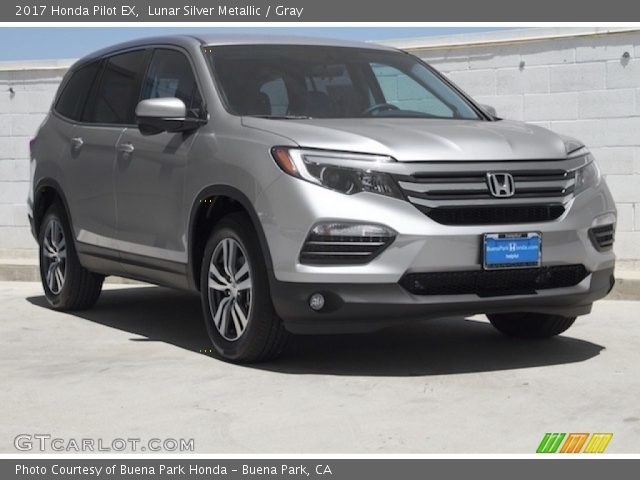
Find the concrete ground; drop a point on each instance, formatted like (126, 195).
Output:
(132, 367)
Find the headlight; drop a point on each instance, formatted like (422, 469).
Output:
(346, 173)
(587, 176)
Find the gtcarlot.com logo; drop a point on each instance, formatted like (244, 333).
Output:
(26, 442)
(574, 442)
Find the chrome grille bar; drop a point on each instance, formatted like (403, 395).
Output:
(456, 189)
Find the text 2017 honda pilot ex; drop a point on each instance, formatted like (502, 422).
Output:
(310, 186)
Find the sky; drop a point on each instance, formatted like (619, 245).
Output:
(40, 43)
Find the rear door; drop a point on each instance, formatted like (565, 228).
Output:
(150, 172)
(93, 146)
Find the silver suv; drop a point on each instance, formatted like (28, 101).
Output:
(311, 186)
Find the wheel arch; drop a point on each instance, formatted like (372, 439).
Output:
(46, 192)
(210, 205)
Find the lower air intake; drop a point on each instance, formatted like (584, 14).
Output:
(493, 283)
(602, 237)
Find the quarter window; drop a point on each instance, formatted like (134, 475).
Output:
(74, 95)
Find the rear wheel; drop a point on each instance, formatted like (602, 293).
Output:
(239, 315)
(530, 325)
(67, 284)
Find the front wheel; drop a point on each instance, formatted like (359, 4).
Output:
(234, 287)
(530, 325)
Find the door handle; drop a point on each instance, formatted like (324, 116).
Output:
(126, 147)
(77, 142)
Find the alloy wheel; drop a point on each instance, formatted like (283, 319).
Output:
(54, 253)
(230, 288)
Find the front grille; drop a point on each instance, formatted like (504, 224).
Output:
(328, 249)
(493, 283)
(462, 198)
(602, 237)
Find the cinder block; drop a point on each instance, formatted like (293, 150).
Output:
(554, 106)
(16, 237)
(627, 245)
(13, 192)
(20, 147)
(614, 160)
(36, 79)
(5, 99)
(447, 60)
(493, 57)
(577, 77)
(623, 131)
(14, 170)
(476, 82)
(591, 132)
(607, 103)
(622, 74)
(507, 106)
(625, 217)
(604, 47)
(5, 124)
(6, 144)
(624, 188)
(13, 215)
(528, 80)
(40, 101)
(26, 124)
(636, 214)
(19, 212)
(636, 160)
(6, 215)
(547, 53)
(18, 102)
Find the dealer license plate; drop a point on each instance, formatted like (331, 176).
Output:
(512, 250)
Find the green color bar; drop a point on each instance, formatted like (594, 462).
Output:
(550, 442)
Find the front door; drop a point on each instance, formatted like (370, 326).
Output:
(150, 173)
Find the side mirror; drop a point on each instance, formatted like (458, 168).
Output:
(166, 114)
(489, 109)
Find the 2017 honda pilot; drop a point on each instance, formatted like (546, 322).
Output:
(311, 186)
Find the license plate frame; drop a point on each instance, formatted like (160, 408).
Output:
(504, 251)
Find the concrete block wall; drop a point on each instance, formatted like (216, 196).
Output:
(26, 93)
(580, 82)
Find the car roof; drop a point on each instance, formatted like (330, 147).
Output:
(213, 39)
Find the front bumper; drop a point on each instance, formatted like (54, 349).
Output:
(351, 308)
(366, 297)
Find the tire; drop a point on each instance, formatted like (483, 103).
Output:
(67, 284)
(530, 325)
(236, 302)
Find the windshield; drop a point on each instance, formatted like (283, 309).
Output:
(292, 81)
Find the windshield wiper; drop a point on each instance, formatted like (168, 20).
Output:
(282, 117)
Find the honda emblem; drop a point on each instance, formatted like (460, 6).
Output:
(501, 185)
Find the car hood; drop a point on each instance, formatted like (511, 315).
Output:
(415, 140)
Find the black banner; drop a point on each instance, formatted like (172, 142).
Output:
(316, 11)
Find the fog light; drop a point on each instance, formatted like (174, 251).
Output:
(316, 301)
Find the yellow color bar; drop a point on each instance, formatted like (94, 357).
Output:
(598, 442)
